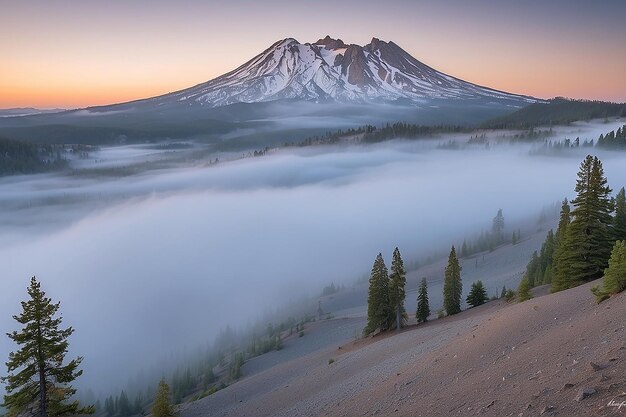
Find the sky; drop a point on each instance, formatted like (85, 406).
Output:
(74, 54)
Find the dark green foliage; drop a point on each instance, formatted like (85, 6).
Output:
(36, 373)
(613, 139)
(423, 308)
(477, 295)
(406, 131)
(556, 112)
(452, 286)
(619, 222)
(503, 293)
(162, 406)
(27, 158)
(397, 282)
(373, 134)
(523, 291)
(615, 275)
(378, 310)
(559, 278)
(589, 237)
(539, 269)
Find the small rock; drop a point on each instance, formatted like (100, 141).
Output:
(491, 403)
(546, 409)
(603, 377)
(584, 393)
(595, 366)
(567, 386)
(612, 359)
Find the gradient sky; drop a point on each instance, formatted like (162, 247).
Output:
(79, 53)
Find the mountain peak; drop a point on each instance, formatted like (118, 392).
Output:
(329, 69)
(330, 43)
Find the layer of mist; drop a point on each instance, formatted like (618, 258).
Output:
(157, 262)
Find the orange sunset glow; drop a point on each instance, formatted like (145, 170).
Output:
(62, 55)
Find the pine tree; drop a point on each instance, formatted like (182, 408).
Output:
(125, 409)
(619, 222)
(36, 373)
(503, 293)
(588, 241)
(523, 291)
(498, 227)
(452, 286)
(162, 406)
(423, 308)
(477, 295)
(615, 275)
(378, 297)
(397, 282)
(559, 266)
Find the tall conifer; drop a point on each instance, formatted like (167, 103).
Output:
(37, 376)
(452, 286)
(397, 283)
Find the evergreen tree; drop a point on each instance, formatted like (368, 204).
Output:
(378, 297)
(559, 267)
(619, 223)
(523, 291)
(423, 308)
(497, 228)
(125, 408)
(397, 282)
(477, 295)
(615, 275)
(588, 241)
(452, 286)
(36, 373)
(162, 406)
(503, 293)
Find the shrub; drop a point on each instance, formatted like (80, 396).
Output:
(509, 295)
(330, 361)
(441, 313)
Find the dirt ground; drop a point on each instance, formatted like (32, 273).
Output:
(533, 358)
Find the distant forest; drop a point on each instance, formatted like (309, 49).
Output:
(26, 158)
(373, 134)
(559, 111)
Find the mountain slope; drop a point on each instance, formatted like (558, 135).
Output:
(332, 70)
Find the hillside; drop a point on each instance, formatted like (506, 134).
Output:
(558, 111)
(499, 359)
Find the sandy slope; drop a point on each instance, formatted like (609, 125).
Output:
(495, 360)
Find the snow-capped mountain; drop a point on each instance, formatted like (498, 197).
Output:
(329, 69)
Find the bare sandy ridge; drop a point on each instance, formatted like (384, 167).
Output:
(494, 360)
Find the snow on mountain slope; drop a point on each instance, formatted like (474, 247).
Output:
(331, 70)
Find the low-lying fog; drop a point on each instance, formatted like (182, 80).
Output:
(158, 261)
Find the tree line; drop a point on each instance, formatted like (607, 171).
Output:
(589, 238)
(386, 294)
